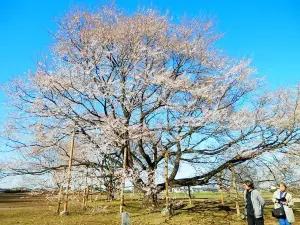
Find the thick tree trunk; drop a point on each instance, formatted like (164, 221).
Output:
(59, 200)
(110, 186)
(151, 182)
(150, 200)
(110, 192)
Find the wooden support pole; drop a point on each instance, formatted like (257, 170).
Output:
(190, 195)
(91, 190)
(122, 203)
(167, 177)
(220, 181)
(84, 198)
(60, 193)
(87, 193)
(86, 187)
(235, 190)
(69, 171)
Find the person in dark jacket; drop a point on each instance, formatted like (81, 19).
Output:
(254, 204)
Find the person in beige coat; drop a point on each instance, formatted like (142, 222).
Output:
(287, 203)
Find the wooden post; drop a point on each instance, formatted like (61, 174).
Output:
(235, 190)
(69, 170)
(123, 181)
(221, 187)
(60, 193)
(91, 190)
(167, 177)
(84, 198)
(85, 193)
(190, 196)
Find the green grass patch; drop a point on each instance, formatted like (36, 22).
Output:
(205, 209)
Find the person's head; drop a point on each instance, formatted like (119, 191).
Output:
(282, 187)
(248, 185)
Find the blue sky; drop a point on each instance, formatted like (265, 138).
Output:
(267, 31)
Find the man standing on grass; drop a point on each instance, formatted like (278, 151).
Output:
(254, 204)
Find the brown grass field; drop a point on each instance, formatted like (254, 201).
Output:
(23, 209)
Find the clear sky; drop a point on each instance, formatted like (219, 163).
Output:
(267, 31)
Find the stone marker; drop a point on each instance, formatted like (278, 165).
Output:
(167, 212)
(125, 218)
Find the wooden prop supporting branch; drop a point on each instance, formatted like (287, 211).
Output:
(123, 181)
(69, 171)
(168, 210)
(91, 191)
(190, 195)
(235, 190)
(167, 178)
(60, 193)
(85, 192)
(220, 181)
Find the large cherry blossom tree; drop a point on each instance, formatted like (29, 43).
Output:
(146, 85)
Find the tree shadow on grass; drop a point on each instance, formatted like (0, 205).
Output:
(211, 210)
